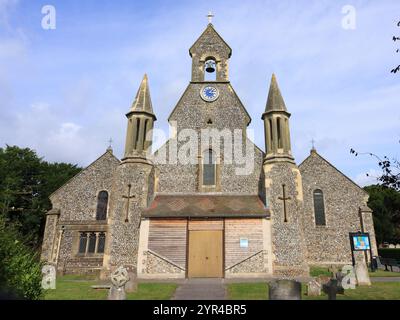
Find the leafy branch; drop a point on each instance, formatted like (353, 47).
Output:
(390, 176)
(394, 70)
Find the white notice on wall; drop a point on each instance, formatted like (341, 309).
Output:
(244, 242)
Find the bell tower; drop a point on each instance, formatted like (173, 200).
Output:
(210, 53)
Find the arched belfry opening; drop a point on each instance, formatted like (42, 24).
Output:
(210, 69)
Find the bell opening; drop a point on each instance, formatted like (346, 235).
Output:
(210, 66)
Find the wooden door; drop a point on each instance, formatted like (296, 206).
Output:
(205, 254)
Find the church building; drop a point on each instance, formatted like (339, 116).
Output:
(208, 202)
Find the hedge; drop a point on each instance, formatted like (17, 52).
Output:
(389, 253)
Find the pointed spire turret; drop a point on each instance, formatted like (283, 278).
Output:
(140, 124)
(276, 125)
(142, 102)
(275, 101)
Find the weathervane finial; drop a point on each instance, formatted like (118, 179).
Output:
(210, 16)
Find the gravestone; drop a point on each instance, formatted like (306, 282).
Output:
(362, 274)
(313, 288)
(323, 280)
(331, 289)
(131, 285)
(339, 278)
(284, 290)
(118, 279)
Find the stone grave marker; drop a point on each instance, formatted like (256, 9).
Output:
(362, 274)
(285, 290)
(313, 288)
(331, 289)
(118, 279)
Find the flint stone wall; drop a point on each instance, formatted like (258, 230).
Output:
(156, 265)
(255, 264)
(77, 199)
(288, 245)
(342, 199)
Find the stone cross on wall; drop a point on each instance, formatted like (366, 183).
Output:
(284, 198)
(128, 198)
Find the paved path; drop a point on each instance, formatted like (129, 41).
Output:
(201, 289)
(385, 279)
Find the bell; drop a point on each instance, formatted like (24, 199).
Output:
(210, 66)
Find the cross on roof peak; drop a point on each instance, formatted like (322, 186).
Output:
(109, 148)
(210, 16)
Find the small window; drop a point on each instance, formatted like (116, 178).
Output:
(101, 242)
(209, 168)
(92, 243)
(102, 203)
(279, 129)
(136, 142)
(319, 209)
(82, 242)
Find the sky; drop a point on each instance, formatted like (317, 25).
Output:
(64, 92)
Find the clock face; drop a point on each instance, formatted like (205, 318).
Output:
(209, 93)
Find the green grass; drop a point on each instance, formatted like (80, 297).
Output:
(153, 291)
(79, 288)
(320, 271)
(383, 273)
(247, 291)
(323, 271)
(377, 291)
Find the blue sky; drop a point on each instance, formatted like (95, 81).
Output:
(65, 92)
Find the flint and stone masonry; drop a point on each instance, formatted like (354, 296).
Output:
(162, 218)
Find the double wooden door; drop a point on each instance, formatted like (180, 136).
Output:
(205, 254)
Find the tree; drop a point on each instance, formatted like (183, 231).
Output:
(26, 182)
(385, 203)
(390, 176)
(20, 269)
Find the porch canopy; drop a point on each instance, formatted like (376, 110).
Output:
(206, 206)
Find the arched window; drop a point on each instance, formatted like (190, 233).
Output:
(209, 168)
(82, 242)
(136, 142)
(272, 138)
(92, 243)
(102, 203)
(279, 129)
(101, 242)
(319, 209)
(210, 70)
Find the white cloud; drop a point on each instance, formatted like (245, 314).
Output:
(335, 83)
